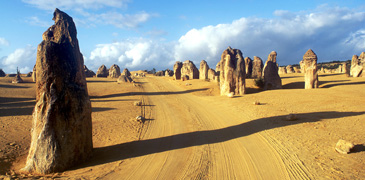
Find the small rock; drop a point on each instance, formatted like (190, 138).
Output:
(344, 147)
(187, 84)
(140, 118)
(230, 95)
(12, 144)
(256, 103)
(291, 117)
(138, 103)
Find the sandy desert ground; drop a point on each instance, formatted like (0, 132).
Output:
(191, 132)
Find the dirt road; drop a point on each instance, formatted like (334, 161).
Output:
(191, 137)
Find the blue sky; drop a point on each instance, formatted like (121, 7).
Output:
(155, 34)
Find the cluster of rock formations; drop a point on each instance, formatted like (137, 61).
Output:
(61, 135)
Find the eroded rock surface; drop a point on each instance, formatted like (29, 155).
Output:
(203, 70)
(88, 72)
(356, 66)
(232, 72)
(177, 70)
(189, 69)
(271, 76)
(114, 71)
(310, 70)
(34, 74)
(248, 67)
(126, 72)
(257, 66)
(102, 71)
(61, 135)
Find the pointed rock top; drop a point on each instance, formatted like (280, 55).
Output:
(310, 53)
(272, 56)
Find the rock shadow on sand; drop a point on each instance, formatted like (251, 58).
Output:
(139, 148)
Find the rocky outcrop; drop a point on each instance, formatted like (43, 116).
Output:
(356, 68)
(248, 67)
(232, 72)
(114, 71)
(2, 73)
(17, 78)
(257, 66)
(184, 77)
(29, 74)
(301, 64)
(126, 72)
(282, 70)
(62, 130)
(34, 74)
(102, 71)
(177, 70)
(212, 75)
(310, 70)
(160, 73)
(344, 147)
(88, 73)
(203, 70)
(297, 69)
(124, 79)
(270, 75)
(189, 69)
(169, 73)
(289, 69)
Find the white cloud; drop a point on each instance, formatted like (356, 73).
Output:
(120, 20)
(74, 4)
(4, 42)
(132, 54)
(333, 33)
(24, 58)
(35, 21)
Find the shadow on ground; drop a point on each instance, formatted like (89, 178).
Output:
(127, 150)
(147, 93)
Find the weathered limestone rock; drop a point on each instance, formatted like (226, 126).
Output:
(2, 73)
(271, 76)
(177, 70)
(248, 67)
(102, 71)
(310, 70)
(301, 64)
(232, 72)
(160, 73)
(343, 146)
(289, 69)
(62, 129)
(88, 73)
(114, 71)
(282, 70)
(203, 70)
(17, 78)
(356, 68)
(296, 69)
(184, 77)
(257, 66)
(362, 57)
(29, 74)
(124, 79)
(169, 73)
(126, 72)
(212, 75)
(34, 74)
(189, 69)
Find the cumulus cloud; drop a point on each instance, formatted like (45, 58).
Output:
(132, 53)
(333, 33)
(73, 4)
(24, 58)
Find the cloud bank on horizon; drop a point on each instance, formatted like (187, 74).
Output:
(334, 33)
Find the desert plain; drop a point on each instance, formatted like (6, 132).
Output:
(191, 132)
